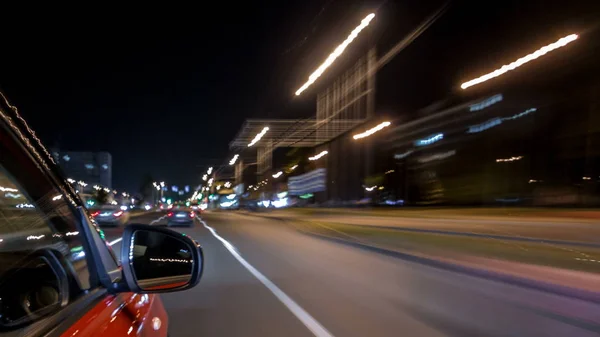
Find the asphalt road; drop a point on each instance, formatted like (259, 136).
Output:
(266, 279)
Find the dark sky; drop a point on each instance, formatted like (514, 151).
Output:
(165, 90)
(164, 94)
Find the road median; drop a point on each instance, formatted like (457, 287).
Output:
(533, 263)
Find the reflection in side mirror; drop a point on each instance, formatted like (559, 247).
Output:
(158, 259)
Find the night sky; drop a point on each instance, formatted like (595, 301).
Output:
(165, 92)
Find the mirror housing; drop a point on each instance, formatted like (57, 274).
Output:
(159, 260)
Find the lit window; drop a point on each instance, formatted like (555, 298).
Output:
(105, 167)
(89, 166)
(66, 157)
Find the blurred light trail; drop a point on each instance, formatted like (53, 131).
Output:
(430, 140)
(278, 174)
(8, 189)
(209, 171)
(336, 53)
(372, 130)
(259, 136)
(234, 159)
(402, 155)
(315, 157)
(506, 68)
(486, 103)
(504, 160)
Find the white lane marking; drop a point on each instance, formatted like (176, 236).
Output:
(119, 239)
(115, 241)
(310, 322)
(157, 220)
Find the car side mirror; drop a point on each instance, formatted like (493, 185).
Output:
(159, 260)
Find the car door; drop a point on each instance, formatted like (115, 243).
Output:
(53, 261)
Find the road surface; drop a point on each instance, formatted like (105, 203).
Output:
(262, 278)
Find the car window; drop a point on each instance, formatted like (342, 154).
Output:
(43, 263)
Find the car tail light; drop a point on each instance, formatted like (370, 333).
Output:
(95, 214)
(170, 214)
(118, 214)
(192, 214)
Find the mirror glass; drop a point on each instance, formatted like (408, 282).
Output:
(160, 261)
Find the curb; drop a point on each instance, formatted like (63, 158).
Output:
(551, 288)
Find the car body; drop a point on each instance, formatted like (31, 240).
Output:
(58, 275)
(180, 217)
(110, 216)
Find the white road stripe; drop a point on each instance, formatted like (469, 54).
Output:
(315, 327)
(157, 220)
(115, 241)
(151, 223)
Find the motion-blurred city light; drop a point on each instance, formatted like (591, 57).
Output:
(336, 53)
(486, 103)
(506, 68)
(8, 189)
(209, 171)
(259, 136)
(504, 160)
(234, 159)
(430, 140)
(315, 157)
(293, 167)
(372, 130)
(278, 174)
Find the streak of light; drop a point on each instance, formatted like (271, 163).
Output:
(504, 160)
(259, 136)
(513, 65)
(336, 53)
(372, 130)
(315, 157)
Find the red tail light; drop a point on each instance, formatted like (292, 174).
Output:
(192, 214)
(118, 214)
(170, 214)
(95, 214)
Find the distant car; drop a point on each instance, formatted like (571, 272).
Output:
(110, 216)
(180, 217)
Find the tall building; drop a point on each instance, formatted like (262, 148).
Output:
(95, 168)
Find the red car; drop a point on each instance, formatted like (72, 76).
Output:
(58, 276)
